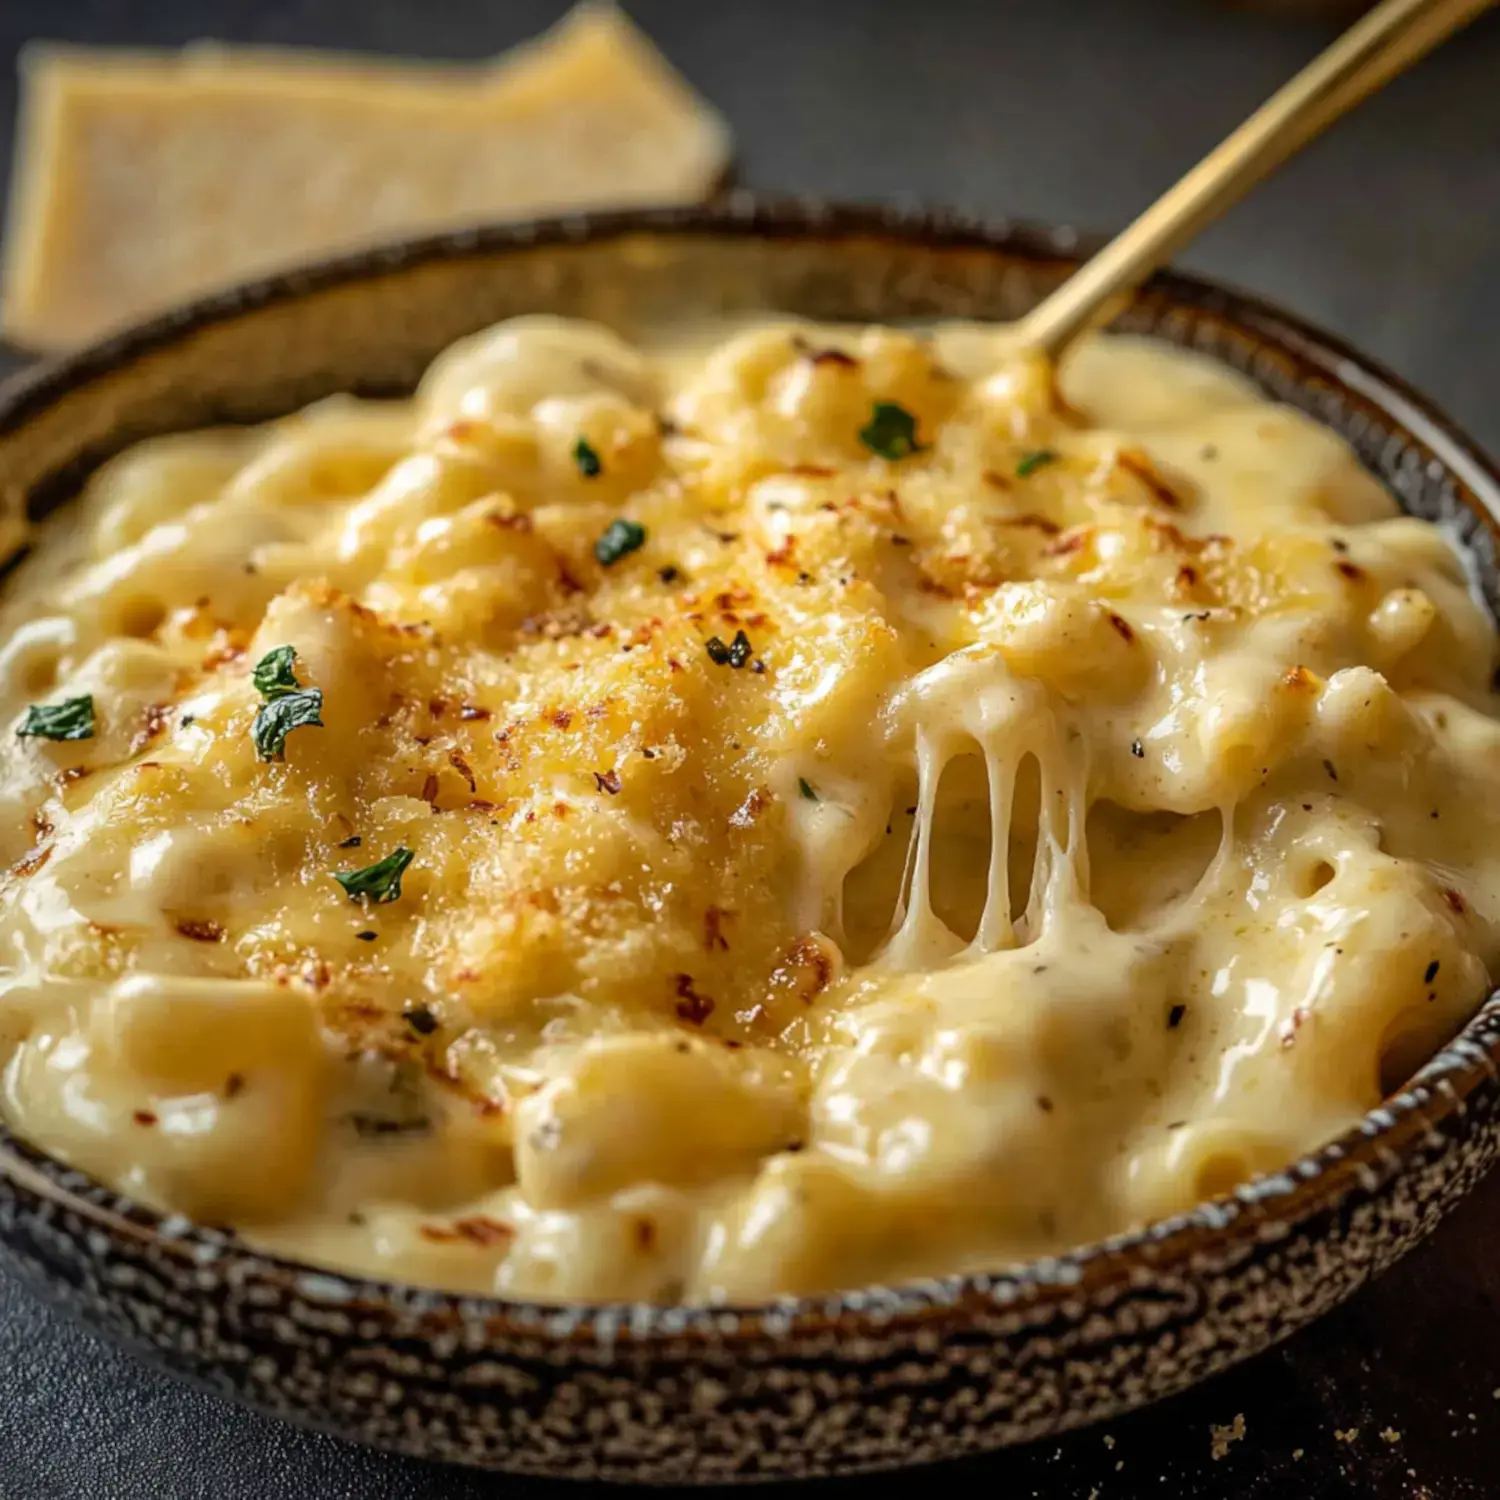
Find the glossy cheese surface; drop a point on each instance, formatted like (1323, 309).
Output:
(816, 806)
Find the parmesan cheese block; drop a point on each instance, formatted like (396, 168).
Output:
(145, 179)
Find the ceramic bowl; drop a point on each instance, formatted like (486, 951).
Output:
(871, 1378)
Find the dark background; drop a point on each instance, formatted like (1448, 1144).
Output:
(1387, 231)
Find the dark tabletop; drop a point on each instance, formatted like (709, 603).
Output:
(1387, 231)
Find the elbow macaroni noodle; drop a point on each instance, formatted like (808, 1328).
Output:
(957, 818)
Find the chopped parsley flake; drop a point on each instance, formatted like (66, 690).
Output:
(587, 459)
(381, 881)
(1039, 458)
(278, 718)
(421, 1019)
(72, 719)
(736, 654)
(619, 539)
(273, 676)
(807, 789)
(288, 704)
(891, 431)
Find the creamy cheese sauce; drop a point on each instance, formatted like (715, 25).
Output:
(815, 805)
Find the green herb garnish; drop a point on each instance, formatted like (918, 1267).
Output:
(735, 654)
(806, 788)
(72, 719)
(891, 431)
(587, 459)
(618, 539)
(273, 676)
(288, 704)
(278, 718)
(421, 1019)
(1037, 459)
(381, 881)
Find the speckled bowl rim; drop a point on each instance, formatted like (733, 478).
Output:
(1265, 1209)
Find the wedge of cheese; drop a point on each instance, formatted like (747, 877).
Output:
(144, 179)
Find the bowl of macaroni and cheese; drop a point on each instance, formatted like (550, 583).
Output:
(639, 847)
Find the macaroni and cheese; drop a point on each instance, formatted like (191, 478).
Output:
(777, 808)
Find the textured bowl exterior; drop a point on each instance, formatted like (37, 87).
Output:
(867, 1379)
